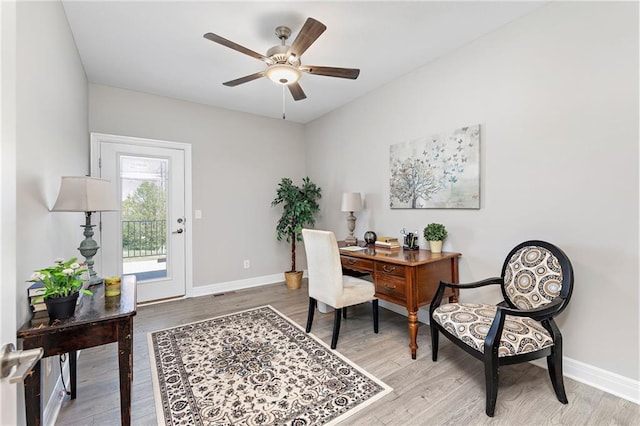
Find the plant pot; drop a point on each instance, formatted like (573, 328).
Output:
(436, 246)
(293, 279)
(61, 307)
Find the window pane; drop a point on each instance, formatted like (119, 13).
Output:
(144, 216)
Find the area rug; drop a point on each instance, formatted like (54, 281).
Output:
(255, 367)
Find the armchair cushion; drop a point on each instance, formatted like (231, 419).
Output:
(470, 323)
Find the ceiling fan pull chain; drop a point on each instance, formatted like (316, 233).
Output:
(283, 102)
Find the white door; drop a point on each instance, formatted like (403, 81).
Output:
(147, 237)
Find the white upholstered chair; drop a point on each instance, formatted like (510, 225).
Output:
(328, 285)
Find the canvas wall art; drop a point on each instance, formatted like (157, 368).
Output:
(437, 172)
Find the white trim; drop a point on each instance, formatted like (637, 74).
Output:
(57, 397)
(97, 138)
(596, 377)
(243, 284)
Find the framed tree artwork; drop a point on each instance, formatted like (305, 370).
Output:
(437, 172)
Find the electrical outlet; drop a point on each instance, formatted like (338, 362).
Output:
(246, 264)
(198, 214)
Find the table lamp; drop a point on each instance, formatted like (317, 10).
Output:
(351, 202)
(86, 194)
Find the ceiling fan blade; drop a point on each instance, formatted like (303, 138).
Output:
(244, 79)
(235, 46)
(351, 73)
(310, 31)
(297, 92)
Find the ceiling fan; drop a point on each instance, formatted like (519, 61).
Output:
(283, 62)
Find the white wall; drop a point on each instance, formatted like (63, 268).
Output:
(52, 140)
(556, 94)
(238, 161)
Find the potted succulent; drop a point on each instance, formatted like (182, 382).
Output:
(62, 286)
(300, 204)
(435, 233)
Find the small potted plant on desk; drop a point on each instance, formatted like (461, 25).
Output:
(435, 233)
(300, 206)
(62, 286)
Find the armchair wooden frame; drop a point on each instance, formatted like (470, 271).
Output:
(544, 314)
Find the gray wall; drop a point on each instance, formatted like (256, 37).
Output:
(556, 94)
(238, 160)
(51, 141)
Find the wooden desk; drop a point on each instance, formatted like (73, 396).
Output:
(408, 278)
(98, 320)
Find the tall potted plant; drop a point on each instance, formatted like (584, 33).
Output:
(300, 204)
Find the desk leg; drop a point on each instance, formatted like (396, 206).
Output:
(32, 394)
(125, 363)
(413, 333)
(73, 357)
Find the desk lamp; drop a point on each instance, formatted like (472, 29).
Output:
(351, 202)
(88, 195)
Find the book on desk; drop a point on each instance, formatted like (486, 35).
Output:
(389, 243)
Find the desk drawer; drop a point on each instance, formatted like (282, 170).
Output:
(391, 286)
(390, 269)
(356, 264)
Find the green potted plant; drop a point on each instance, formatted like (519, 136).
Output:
(62, 286)
(300, 204)
(435, 233)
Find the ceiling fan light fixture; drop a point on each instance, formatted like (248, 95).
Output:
(283, 74)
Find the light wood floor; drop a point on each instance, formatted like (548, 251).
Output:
(450, 391)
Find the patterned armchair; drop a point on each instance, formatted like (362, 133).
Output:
(536, 282)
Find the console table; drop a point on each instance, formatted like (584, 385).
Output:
(98, 320)
(408, 278)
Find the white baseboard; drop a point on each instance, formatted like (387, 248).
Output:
(596, 377)
(52, 409)
(223, 287)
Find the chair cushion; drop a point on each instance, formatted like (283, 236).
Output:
(470, 323)
(355, 291)
(532, 277)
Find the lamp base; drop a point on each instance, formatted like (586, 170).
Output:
(95, 280)
(88, 248)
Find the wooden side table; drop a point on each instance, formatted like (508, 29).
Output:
(98, 320)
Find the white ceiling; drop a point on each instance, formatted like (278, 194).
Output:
(158, 47)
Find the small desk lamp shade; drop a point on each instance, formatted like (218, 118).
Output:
(86, 194)
(351, 202)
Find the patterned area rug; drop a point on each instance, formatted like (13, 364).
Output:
(255, 367)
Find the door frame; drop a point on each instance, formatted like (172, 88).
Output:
(10, 405)
(97, 138)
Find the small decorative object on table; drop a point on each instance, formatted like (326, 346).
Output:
(370, 237)
(435, 233)
(410, 240)
(62, 285)
(112, 286)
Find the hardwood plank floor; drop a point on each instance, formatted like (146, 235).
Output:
(447, 392)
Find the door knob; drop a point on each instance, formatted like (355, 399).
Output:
(23, 361)
(179, 231)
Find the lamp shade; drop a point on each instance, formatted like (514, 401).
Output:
(351, 202)
(85, 194)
